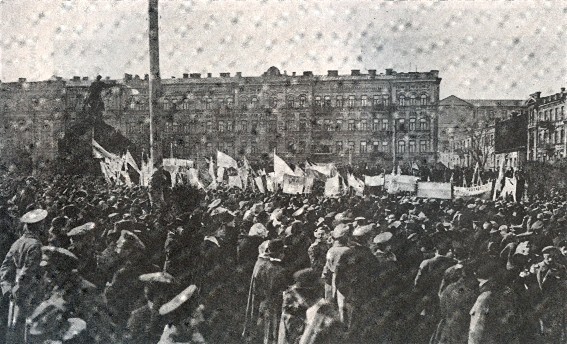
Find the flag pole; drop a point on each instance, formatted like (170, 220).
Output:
(156, 154)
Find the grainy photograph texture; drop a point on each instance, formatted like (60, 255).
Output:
(283, 172)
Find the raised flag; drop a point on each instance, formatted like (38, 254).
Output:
(332, 186)
(280, 169)
(298, 171)
(193, 178)
(260, 184)
(308, 187)
(293, 184)
(374, 180)
(270, 185)
(220, 174)
(235, 181)
(225, 160)
(356, 184)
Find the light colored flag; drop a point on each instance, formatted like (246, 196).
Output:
(193, 178)
(270, 185)
(260, 184)
(374, 180)
(225, 160)
(280, 169)
(212, 169)
(220, 174)
(499, 181)
(308, 188)
(235, 181)
(293, 184)
(332, 186)
(298, 171)
(356, 184)
(509, 188)
(344, 187)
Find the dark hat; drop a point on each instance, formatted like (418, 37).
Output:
(275, 246)
(307, 278)
(82, 229)
(178, 300)
(58, 257)
(34, 216)
(157, 277)
(550, 250)
(70, 210)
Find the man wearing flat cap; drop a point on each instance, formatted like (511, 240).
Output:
(20, 274)
(340, 237)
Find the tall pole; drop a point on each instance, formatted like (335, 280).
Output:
(156, 154)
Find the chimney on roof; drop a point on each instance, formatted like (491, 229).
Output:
(185, 75)
(225, 75)
(195, 75)
(308, 73)
(85, 78)
(355, 72)
(239, 74)
(389, 71)
(107, 78)
(76, 78)
(136, 77)
(127, 77)
(562, 89)
(434, 73)
(332, 73)
(292, 73)
(146, 77)
(22, 80)
(209, 75)
(372, 72)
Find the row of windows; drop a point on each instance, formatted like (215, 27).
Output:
(302, 125)
(556, 137)
(557, 114)
(402, 147)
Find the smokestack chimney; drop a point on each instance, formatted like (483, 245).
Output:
(355, 72)
(372, 72)
(185, 75)
(389, 71)
(332, 73)
(209, 75)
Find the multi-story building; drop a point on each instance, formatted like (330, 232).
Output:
(547, 123)
(344, 118)
(32, 115)
(467, 129)
(356, 118)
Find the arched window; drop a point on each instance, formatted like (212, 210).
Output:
(291, 102)
(423, 99)
(401, 147)
(302, 101)
(423, 124)
(402, 100)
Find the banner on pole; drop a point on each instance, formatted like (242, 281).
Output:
(293, 184)
(374, 180)
(434, 190)
(175, 162)
(473, 191)
(260, 184)
(400, 183)
(308, 187)
(332, 186)
(235, 181)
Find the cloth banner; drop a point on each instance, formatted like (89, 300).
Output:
(130, 161)
(293, 184)
(327, 170)
(509, 188)
(260, 184)
(356, 184)
(281, 169)
(170, 162)
(400, 183)
(235, 181)
(100, 153)
(243, 172)
(374, 180)
(298, 171)
(225, 160)
(193, 178)
(473, 191)
(308, 187)
(270, 185)
(332, 186)
(220, 174)
(434, 190)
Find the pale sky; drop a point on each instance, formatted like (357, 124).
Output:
(483, 49)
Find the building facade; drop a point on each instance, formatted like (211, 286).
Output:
(357, 118)
(467, 129)
(547, 124)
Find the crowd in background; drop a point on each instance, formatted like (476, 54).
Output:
(120, 264)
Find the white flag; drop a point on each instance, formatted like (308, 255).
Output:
(332, 186)
(280, 169)
(225, 160)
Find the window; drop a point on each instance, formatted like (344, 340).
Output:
(411, 146)
(401, 124)
(272, 126)
(423, 124)
(545, 116)
(229, 125)
(208, 103)
(339, 125)
(423, 146)
(412, 100)
(401, 147)
(302, 124)
(229, 102)
(351, 146)
(351, 100)
(385, 124)
(290, 102)
(209, 127)
(412, 124)
(556, 114)
(327, 101)
(253, 102)
(363, 147)
(402, 100)
(364, 100)
(253, 148)
(375, 146)
(376, 100)
(318, 101)
(244, 126)
(385, 99)
(375, 124)
(221, 126)
(302, 101)
(243, 102)
(209, 148)
(274, 102)
(254, 127)
(562, 112)
(385, 146)
(329, 125)
(423, 99)
(339, 102)
(339, 147)
(363, 125)
(230, 148)
(351, 126)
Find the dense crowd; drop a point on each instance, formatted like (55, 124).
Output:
(88, 262)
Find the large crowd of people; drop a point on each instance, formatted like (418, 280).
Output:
(88, 262)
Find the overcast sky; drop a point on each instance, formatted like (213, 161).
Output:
(483, 49)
